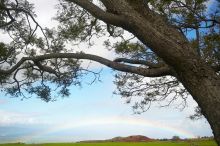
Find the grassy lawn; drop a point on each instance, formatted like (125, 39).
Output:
(157, 143)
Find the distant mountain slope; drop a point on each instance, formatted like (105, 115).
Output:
(133, 138)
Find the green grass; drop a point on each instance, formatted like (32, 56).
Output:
(156, 143)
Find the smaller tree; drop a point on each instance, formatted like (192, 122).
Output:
(175, 138)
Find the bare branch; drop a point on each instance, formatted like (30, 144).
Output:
(157, 72)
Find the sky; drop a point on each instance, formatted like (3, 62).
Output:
(91, 111)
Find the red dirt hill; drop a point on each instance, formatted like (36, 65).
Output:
(133, 138)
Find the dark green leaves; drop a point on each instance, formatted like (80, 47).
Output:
(43, 92)
(3, 50)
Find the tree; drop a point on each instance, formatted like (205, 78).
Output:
(160, 47)
(175, 138)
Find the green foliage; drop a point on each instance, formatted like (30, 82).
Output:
(43, 92)
(76, 24)
(3, 50)
(127, 47)
(211, 47)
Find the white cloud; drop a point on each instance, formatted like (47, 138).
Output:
(16, 118)
(45, 10)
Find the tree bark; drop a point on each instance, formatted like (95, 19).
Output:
(204, 86)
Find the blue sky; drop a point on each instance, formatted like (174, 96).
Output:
(91, 112)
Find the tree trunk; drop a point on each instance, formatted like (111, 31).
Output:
(204, 86)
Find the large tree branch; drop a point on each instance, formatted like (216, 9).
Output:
(99, 13)
(157, 72)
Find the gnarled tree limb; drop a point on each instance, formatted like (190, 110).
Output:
(156, 72)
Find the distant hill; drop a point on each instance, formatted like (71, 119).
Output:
(133, 138)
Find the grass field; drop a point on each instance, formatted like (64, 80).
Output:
(156, 143)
